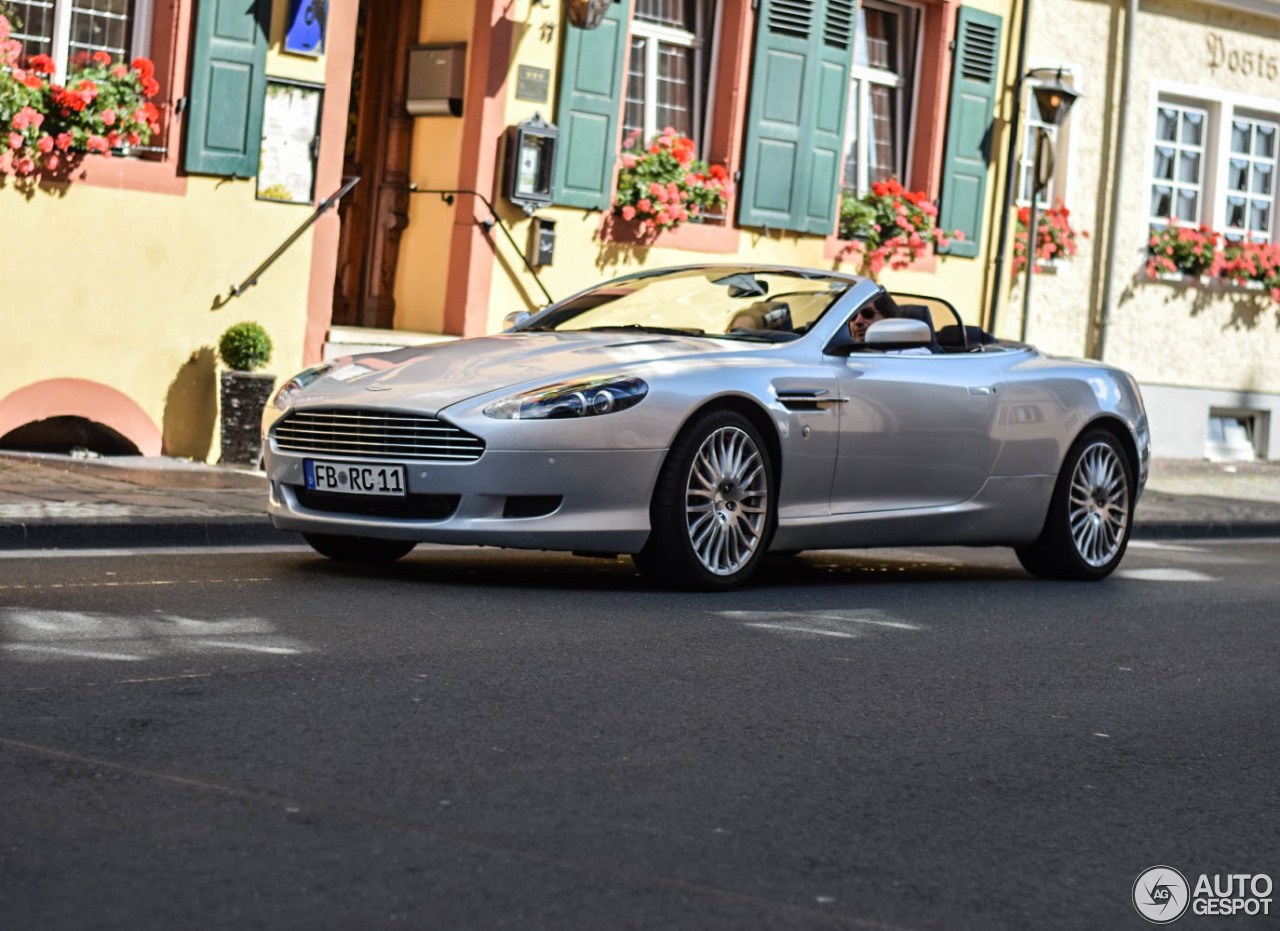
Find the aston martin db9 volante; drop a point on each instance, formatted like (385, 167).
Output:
(698, 418)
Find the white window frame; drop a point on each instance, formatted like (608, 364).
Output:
(1201, 187)
(60, 52)
(1242, 115)
(653, 34)
(861, 77)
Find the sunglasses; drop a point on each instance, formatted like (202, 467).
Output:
(868, 313)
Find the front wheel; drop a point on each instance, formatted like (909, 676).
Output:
(1090, 516)
(358, 549)
(713, 509)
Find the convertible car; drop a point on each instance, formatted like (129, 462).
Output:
(699, 418)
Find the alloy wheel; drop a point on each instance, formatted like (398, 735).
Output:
(1098, 505)
(726, 500)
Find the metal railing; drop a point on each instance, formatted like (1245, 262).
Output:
(239, 289)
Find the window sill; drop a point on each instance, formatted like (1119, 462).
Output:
(1205, 282)
(688, 237)
(842, 250)
(131, 174)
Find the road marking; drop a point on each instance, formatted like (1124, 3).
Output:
(1165, 574)
(22, 586)
(795, 628)
(266, 548)
(1153, 545)
(40, 635)
(149, 773)
(869, 618)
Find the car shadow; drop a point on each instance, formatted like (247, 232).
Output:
(495, 568)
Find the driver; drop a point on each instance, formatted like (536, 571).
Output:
(882, 307)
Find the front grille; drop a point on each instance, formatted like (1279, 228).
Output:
(417, 507)
(375, 435)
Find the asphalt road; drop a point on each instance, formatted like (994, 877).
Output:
(479, 739)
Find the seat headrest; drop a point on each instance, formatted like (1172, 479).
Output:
(916, 312)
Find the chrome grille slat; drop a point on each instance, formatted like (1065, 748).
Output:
(371, 434)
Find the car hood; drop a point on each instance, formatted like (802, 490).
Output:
(431, 378)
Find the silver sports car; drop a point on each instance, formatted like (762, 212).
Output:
(701, 417)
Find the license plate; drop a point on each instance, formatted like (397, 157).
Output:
(355, 478)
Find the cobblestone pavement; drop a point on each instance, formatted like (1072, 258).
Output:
(44, 489)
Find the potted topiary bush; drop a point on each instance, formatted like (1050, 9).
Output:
(243, 348)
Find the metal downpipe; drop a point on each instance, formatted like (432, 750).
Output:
(1113, 222)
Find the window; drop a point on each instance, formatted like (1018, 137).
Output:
(881, 95)
(71, 30)
(1251, 176)
(669, 68)
(1235, 435)
(1177, 186)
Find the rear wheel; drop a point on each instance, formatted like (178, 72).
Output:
(1091, 514)
(358, 549)
(713, 509)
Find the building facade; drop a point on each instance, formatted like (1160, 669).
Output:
(795, 102)
(1176, 130)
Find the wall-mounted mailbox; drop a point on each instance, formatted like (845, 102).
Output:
(531, 163)
(542, 241)
(437, 79)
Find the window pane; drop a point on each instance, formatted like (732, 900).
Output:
(678, 14)
(1261, 179)
(675, 89)
(1167, 125)
(882, 161)
(1188, 202)
(1189, 167)
(879, 40)
(100, 25)
(36, 34)
(1240, 137)
(1260, 216)
(633, 114)
(1238, 175)
(1264, 141)
(850, 178)
(1192, 126)
(1235, 212)
(1161, 201)
(1164, 164)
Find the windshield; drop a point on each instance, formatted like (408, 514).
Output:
(734, 303)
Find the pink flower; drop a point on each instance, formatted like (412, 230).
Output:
(628, 161)
(63, 142)
(691, 179)
(903, 222)
(959, 237)
(4, 28)
(24, 166)
(119, 71)
(45, 144)
(52, 162)
(97, 144)
(628, 212)
(15, 141)
(108, 117)
(663, 218)
(644, 205)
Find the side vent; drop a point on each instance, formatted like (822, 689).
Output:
(791, 17)
(841, 20)
(981, 49)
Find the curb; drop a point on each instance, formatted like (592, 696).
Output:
(1205, 530)
(233, 531)
(45, 535)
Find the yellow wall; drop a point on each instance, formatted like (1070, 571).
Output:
(122, 285)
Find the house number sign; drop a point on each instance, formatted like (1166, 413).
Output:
(1240, 61)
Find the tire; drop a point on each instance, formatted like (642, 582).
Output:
(358, 549)
(713, 511)
(1090, 515)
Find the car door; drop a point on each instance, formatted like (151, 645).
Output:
(917, 430)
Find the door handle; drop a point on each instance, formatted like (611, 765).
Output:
(981, 390)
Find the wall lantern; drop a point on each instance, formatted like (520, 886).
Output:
(1054, 100)
(586, 14)
(531, 163)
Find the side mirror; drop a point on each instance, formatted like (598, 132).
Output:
(515, 318)
(898, 333)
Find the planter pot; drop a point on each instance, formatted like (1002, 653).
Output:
(244, 395)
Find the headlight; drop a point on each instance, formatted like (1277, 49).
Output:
(290, 390)
(571, 399)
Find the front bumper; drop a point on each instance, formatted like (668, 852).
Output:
(604, 508)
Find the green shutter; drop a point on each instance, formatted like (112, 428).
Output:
(228, 81)
(587, 110)
(796, 115)
(974, 86)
